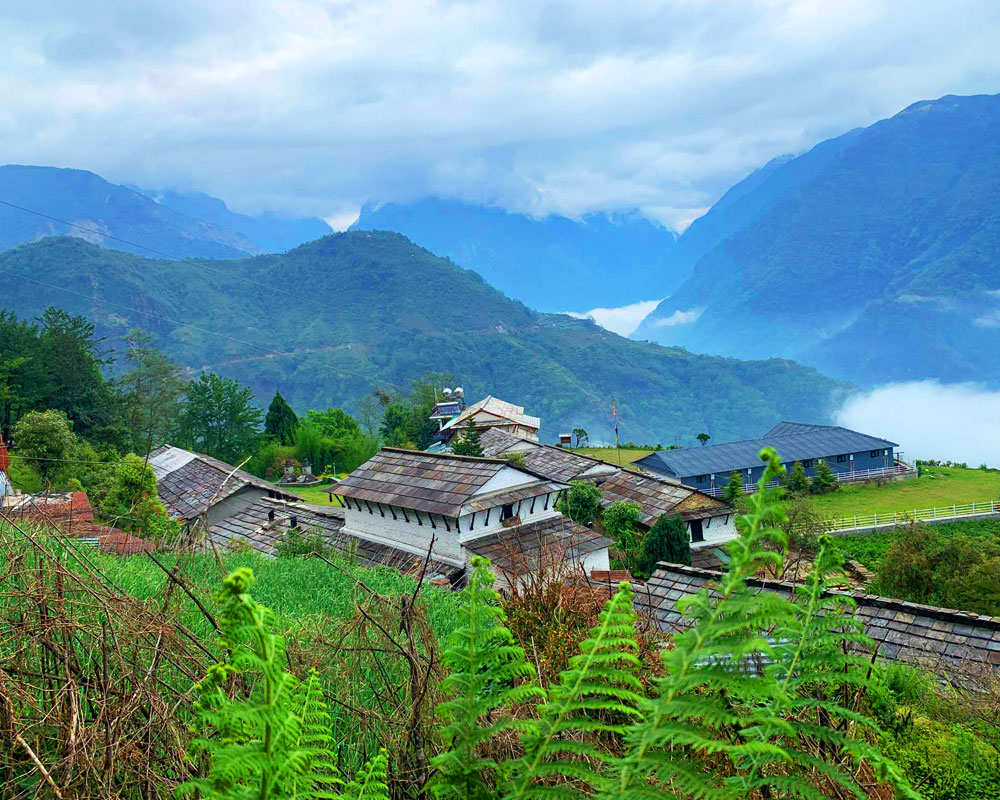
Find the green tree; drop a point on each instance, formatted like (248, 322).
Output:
(619, 522)
(581, 502)
(703, 438)
(797, 481)
(280, 422)
(334, 422)
(581, 436)
(468, 443)
(733, 493)
(395, 427)
(219, 418)
(133, 504)
(151, 391)
(45, 439)
(824, 481)
(668, 540)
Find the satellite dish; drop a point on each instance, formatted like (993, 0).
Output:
(458, 390)
(446, 392)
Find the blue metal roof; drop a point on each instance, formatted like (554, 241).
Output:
(794, 441)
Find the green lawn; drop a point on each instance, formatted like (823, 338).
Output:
(937, 486)
(611, 454)
(314, 494)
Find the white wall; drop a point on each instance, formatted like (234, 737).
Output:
(506, 478)
(716, 529)
(405, 535)
(474, 529)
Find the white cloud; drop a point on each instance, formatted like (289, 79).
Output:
(623, 320)
(930, 420)
(311, 106)
(342, 220)
(991, 319)
(678, 318)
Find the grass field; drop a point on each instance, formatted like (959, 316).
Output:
(315, 494)
(611, 454)
(869, 548)
(937, 486)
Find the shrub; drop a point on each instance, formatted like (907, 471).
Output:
(581, 503)
(667, 540)
(132, 503)
(619, 522)
(46, 439)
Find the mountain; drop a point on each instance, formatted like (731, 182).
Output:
(104, 210)
(553, 263)
(274, 234)
(332, 319)
(874, 257)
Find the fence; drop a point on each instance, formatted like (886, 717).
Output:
(889, 519)
(854, 476)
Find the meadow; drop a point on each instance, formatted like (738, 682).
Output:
(936, 486)
(613, 455)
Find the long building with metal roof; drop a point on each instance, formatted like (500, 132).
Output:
(709, 467)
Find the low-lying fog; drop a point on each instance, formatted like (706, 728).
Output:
(930, 420)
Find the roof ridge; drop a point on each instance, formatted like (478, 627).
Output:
(860, 597)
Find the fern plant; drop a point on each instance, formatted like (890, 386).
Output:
(598, 695)
(276, 743)
(487, 672)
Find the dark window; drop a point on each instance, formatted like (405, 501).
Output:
(507, 512)
(702, 478)
(841, 459)
(809, 462)
(875, 453)
(697, 534)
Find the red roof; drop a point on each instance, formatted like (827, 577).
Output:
(75, 516)
(120, 543)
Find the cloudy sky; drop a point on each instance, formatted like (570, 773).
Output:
(315, 106)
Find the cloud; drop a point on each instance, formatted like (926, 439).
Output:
(314, 106)
(623, 320)
(678, 318)
(991, 319)
(930, 420)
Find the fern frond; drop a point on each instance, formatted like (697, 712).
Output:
(371, 782)
(599, 693)
(485, 667)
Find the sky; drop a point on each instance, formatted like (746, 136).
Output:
(901, 411)
(317, 106)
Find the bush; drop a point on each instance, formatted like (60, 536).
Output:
(582, 503)
(667, 540)
(133, 505)
(619, 521)
(46, 439)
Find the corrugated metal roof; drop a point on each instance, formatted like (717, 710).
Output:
(793, 441)
(498, 407)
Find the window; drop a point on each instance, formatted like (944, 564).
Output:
(507, 512)
(702, 478)
(875, 453)
(841, 459)
(809, 462)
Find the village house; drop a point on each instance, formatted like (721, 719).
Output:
(454, 507)
(489, 413)
(709, 521)
(847, 452)
(195, 487)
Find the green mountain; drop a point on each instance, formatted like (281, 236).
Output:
(100, 210)
(329, 321)
(552, 263)
(875, 257)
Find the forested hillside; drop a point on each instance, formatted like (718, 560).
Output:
(873, 257)
(553, 263)
(333, 319)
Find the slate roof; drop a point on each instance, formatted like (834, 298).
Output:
(943, 639)
(555, 462)
(526, 548)
(794, 442)
(252, 526)
(187, 482)
(435, 483)
(659, 496)
(500, 408)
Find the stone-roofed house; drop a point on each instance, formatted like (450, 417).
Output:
(708, 519)
(192, 484)
(944, 640)
(709, 467)
(492, 412)
(456, 506)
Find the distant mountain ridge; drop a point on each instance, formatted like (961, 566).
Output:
(333, 319)
(187, 225)
(553, 263)
(874, 257)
